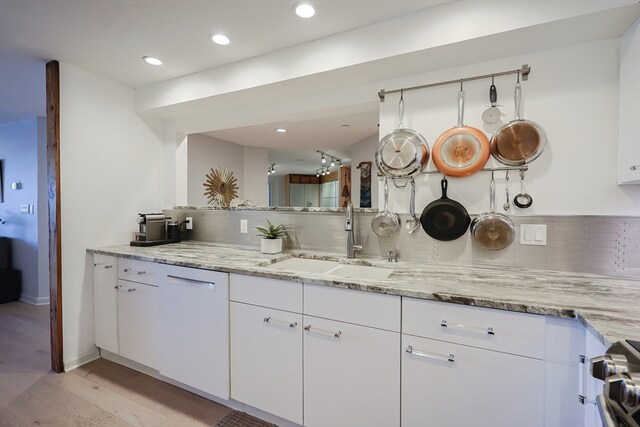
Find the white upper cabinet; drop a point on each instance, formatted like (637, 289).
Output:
(629, 128)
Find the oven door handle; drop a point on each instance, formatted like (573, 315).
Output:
(606, 412)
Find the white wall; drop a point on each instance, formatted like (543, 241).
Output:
(20, 149)
(205, 153)
(111, 168)
(364, 151)
(43, 213)
(256, 185)
(577, 107)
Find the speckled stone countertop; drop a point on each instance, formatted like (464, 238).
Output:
(609, 307)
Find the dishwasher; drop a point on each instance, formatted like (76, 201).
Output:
(194, 329)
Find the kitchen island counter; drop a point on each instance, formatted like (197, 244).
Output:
(608, 306)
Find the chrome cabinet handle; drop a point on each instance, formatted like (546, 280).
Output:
(141, 272)
(634, 167)
(131, 289)
(450, 358)
(488, 331)
(108, 266)
(270, 319)
(117, 287)
(206, 282)
(126, 270)
(95, 264)
(335, 334)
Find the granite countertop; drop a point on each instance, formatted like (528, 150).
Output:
(608, 306)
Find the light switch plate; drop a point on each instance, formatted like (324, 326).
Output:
(24, 209)
(533, 234)
(244, 226)
(189, 223)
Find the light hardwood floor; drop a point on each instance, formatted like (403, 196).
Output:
(100, 393)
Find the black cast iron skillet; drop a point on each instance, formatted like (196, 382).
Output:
(445, 219)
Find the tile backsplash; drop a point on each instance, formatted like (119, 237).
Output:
(608, 245)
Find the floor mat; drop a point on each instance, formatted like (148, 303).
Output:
(241, 419)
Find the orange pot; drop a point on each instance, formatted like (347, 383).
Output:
(462, 150)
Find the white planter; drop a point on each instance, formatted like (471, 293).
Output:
(270, 246)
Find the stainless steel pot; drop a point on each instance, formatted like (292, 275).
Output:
(386, 223)
(520, 141)
(402, 153)
(492, 230)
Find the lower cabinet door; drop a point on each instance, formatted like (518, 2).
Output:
(105, 302)
(446, 384)
(266, 359)
(351, 375)
(138, 308)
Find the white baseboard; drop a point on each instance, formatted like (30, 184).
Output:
(30, 299)
(83, 359)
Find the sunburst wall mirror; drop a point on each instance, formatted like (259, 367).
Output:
(221, 187)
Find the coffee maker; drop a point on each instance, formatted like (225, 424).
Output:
(152, 230)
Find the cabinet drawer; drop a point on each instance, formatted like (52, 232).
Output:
(280, 294)
(135, 270)
(499, 330)
(359, 307)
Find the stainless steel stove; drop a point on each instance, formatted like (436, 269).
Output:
(619, 368)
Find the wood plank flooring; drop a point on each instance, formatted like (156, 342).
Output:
(100, 393)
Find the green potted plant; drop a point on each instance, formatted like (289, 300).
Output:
(271, 242)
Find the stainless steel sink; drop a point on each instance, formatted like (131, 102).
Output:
(331, 268)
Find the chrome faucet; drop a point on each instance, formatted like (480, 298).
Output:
(348, 227)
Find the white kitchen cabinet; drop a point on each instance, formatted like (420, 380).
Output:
(266, 364)
(194, 329)
(105, 302)
(138, 319)
(629, 122)
(351, 375)
(592, 387)
(447, 384)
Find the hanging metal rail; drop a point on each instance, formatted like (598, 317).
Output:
(524, 72)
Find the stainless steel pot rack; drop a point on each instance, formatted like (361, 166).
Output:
(524, 72)
(523, 168)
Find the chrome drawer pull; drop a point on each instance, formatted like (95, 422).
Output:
(205, 282)
(126, 270)
(141, 272)
(291, 324)
(95, 264)
(488, 331)
(635, 168)
(117, 286)
(131, 289)
(450, 358)
(335, 334)
(108, 266)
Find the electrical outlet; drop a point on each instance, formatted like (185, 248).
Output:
(189, 223)
(244, 225)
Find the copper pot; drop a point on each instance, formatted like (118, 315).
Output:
(520, 141)
(462, 150)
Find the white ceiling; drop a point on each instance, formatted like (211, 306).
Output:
(110, 37)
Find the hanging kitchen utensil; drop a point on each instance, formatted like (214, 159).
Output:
(507, 204)
(520, 141)
(385, 223)
(522, 200)
(413, 223)
(462, 150)
(492, 230)
(445, 219)
(402, 153)
(491, 116)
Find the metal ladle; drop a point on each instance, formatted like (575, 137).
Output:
(412, 223)
(522, 200)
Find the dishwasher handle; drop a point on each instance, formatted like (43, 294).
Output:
(201, 284)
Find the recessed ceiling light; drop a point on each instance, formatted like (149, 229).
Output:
(304, 10)
(151, 60)
(220, 39)
(281, 130)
